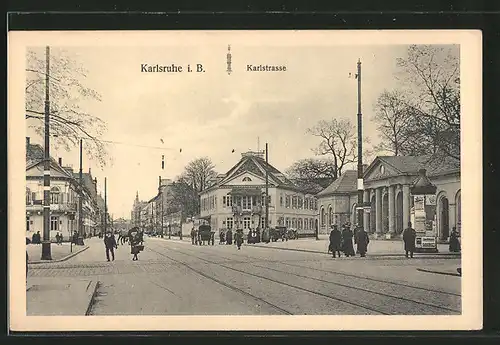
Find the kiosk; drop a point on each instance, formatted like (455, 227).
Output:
(423, 213)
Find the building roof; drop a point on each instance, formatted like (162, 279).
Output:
(257, 165)
(35, 155)
(410, 165)
(346, 183)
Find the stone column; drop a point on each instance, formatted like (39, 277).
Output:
(378, 210)
(406, 206)
(392, 210)
(366, 215)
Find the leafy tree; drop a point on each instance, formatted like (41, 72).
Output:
(312, 174)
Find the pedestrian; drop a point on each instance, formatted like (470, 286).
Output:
(454, 242)
(110, 244)
(75, 238)
(135, 244)
(193, 235)
(361, 239)
(335, 241)
(239, 238)
(409, 235)
(347, 246)
(229, 236)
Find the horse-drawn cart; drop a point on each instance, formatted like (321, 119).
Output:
(205, 234)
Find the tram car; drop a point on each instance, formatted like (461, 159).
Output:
(205, 234)
(253, 236)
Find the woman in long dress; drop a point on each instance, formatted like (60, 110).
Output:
(135, 243)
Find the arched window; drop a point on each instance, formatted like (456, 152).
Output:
(330, 215)
(322, 216)
(247, 179)
(55, 195)
(458, 205)
(28, 196)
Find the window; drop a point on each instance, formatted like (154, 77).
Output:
(382, 169)
(301, 202)
(224, 200)
(27, 223)
(54, 195)
(281, 221)
(229, 201)
(306, 204)
(294, 201)
(322, 216)
(246, 202)
(263, 223)
(247, 179)
(28, 196)
(287, 201)
(287, 222)
(330, 215)
(299, 225)
(246, 223)
(54, 223)
(294, 223)
(229, 222)
(281, 200)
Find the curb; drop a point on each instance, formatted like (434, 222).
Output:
(92, 298)
(368, 255)
(67, 257)
(438, 272)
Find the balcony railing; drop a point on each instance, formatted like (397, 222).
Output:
(37, 205)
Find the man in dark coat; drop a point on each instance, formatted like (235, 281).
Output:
(348, 247)
(454, 242)
(361, 239)
(239, 238)
(229, 237)
(335, 241)
(409, 235)
(110, 244)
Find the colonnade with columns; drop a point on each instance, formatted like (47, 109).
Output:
(390, 208)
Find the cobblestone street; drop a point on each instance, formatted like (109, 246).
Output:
(174, 277)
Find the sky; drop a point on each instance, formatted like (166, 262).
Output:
(212, 113)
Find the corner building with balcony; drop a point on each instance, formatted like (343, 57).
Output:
(236, 200)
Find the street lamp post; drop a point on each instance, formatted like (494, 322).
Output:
(267, 190)
(360, 152)
(80, 199)
(46, 250)
(105, 206)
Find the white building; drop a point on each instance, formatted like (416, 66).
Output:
(236, 199)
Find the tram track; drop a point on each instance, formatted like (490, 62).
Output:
(360, 289)
(284, 311)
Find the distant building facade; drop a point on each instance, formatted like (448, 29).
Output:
(236, 200)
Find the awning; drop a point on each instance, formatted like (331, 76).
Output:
(246, 191)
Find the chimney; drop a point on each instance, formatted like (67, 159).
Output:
(60, 161)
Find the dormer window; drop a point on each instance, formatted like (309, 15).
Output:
(382, 169)
(247, 179)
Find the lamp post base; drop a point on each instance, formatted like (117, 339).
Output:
(46, 252)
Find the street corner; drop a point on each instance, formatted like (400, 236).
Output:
(60, 258)
(64, 297)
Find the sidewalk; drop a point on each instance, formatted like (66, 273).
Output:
(61, 252)
(67, 296)
(375, 247)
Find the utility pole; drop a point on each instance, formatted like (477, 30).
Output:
(267, 191)
(80, 199)
(360, 152)
(162, 210)
(46, 250)
(105, 206)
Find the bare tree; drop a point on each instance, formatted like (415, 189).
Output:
(394, 122)
(312, 174)
(68, 119)
(431, 76)
(338, 140)
(198, 173)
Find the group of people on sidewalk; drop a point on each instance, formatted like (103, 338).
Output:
(342, 241)
(135, 238)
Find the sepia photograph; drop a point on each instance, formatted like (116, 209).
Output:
(245, 180)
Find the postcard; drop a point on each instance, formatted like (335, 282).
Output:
(245, 180)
